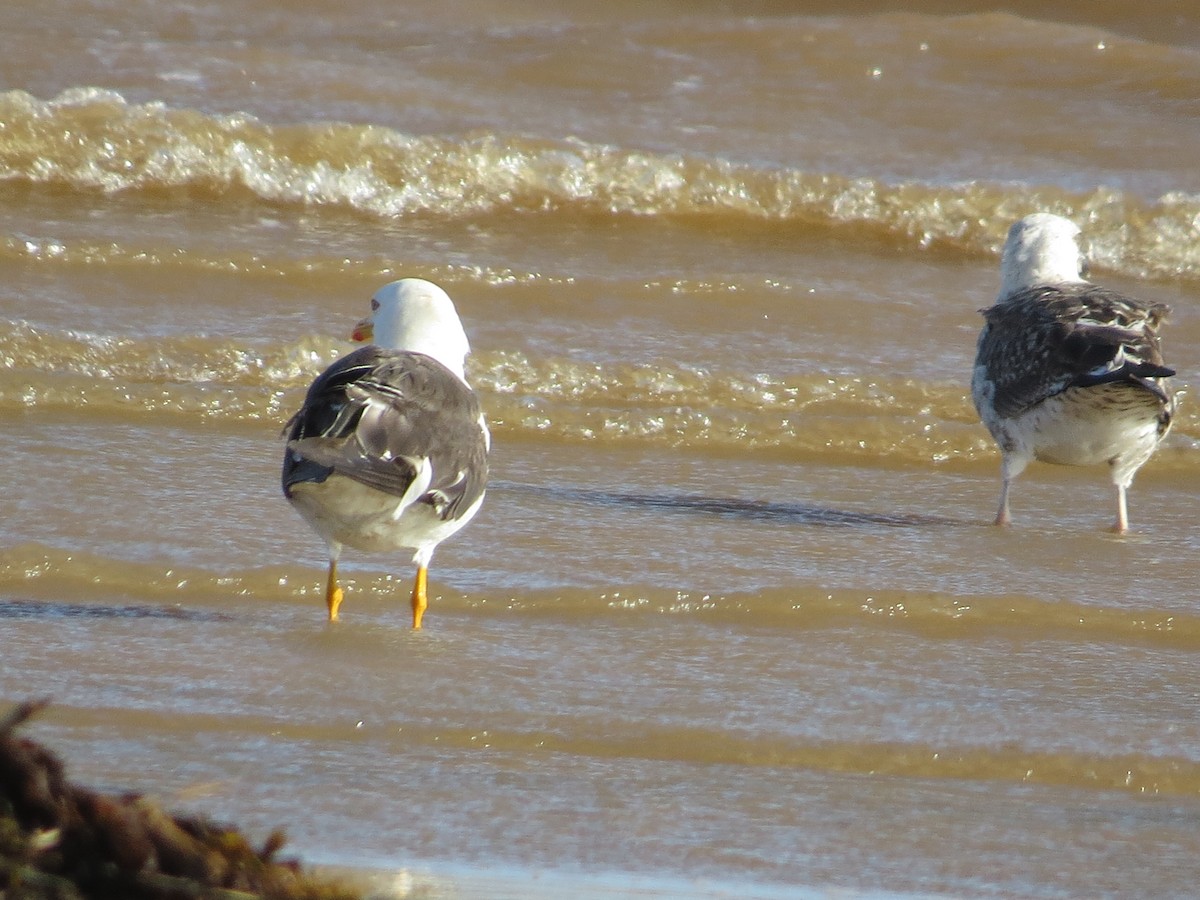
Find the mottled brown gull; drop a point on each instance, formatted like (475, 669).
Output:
(1067, 371)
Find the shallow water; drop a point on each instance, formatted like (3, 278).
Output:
(731, 620)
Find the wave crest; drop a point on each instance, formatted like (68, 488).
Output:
(93, 139)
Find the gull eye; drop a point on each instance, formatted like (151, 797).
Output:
(374, 305)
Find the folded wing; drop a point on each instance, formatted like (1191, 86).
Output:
(396, 421)
(1046, 340)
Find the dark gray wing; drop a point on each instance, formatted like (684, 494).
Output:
(374, 415)
(1046, 339)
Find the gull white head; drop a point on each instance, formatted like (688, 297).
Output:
(1042, 248)
(416, 315)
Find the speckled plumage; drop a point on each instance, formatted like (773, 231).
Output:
(1069, 372)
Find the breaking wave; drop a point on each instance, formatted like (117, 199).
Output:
(91, 139)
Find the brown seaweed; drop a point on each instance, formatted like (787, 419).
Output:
(59, 841)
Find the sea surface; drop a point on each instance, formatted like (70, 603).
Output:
(732, 621)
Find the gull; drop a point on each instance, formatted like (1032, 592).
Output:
(390, 449)
(1066, 371)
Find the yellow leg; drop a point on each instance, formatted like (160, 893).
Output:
(419, 601)
(333, 593)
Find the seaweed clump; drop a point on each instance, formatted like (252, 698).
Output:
(59, 841)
